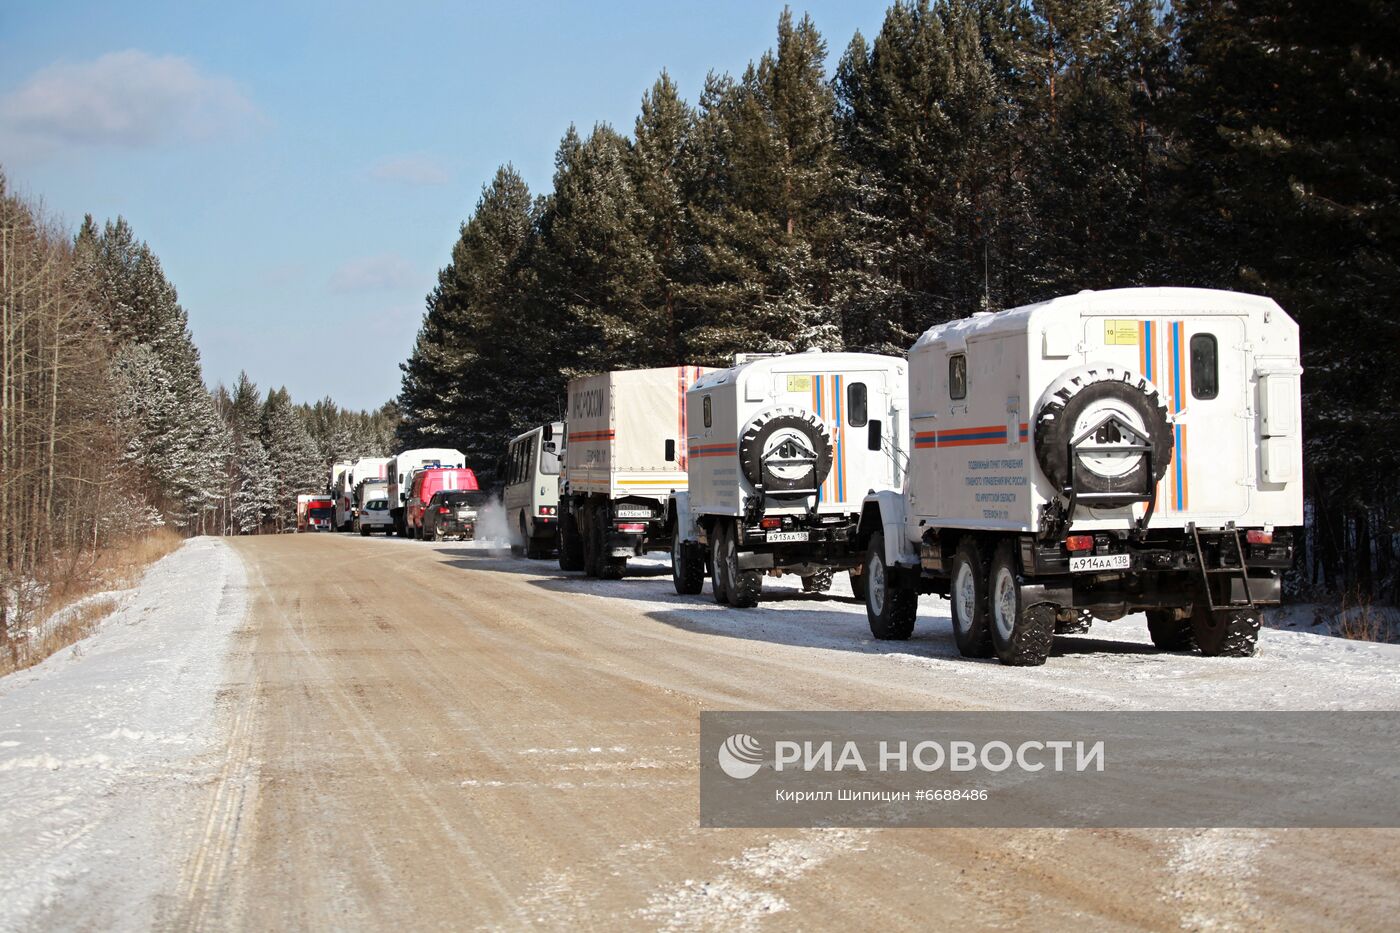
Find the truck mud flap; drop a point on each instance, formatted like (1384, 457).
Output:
(752, 560)
(1033, 594)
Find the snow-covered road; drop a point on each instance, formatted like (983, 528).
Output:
(327, 731)
(104, 748)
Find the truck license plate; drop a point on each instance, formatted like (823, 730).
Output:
(1100, 562)
(632, 513)
(779, 537)
(465, 513)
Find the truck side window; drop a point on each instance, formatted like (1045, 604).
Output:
(705, 404)
(957, 376)
(1205, 369)
(856, 413)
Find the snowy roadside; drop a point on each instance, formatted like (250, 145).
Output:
(99, 746)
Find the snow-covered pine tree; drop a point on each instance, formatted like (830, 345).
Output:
(296, 463)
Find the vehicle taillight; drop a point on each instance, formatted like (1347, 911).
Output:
(768, 524)
(1259, 537)
(547, 510)
(443, 510)
(632, 527)
(1080, 542)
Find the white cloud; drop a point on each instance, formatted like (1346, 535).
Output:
(129, 99)
(412, 170)
(387, 270)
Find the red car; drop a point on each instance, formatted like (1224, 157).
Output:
(428, 482)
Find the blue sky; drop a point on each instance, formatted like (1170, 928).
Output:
(302, 168)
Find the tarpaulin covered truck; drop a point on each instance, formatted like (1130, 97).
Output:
(1091, 456)
(783, 451)
(624, 455)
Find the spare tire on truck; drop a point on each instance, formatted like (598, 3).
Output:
(787, 452)
(1122, 409)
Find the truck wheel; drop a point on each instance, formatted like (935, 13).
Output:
(717, 577)
(1169, 632)
(971, 630)
(570, 542)
(1225, 633)
(890, 609)
(606, 567)
(590, 543)
(687, 566)
(519, 549)
(742, 586)
(818, 582)
(1078, 625)
(536, 548)
(1086, 398)
(858, 585)
(1021, 634)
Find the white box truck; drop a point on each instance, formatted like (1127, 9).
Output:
(339, 470)
(530, 496)
(361, 469)
(1095, 455)
(783, 451)
(401, 469)
(624, 456)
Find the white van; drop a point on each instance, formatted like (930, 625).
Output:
(372, 507)
(782, 453)
(531, 493)
(401, 469)
(1091, 456)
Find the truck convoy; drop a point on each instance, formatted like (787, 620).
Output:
(624, 455)
(783, 451)
(1091, 456)
(530, 496)
(400, 471)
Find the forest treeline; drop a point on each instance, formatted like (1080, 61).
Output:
(107, 429)
(974, 154)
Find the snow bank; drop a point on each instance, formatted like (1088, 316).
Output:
(99, 747)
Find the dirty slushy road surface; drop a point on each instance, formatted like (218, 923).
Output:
(446, 736)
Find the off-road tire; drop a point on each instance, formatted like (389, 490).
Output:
(1021, 634)
(1225, 633)
(818, 582)
(857, 585)
(890, 610)
(755, 437)
(1080, 624)
(570, 542)
(744, 587)
(1168, 632)
(717, 577)
(607, 567)
(687, 565)
(1055, 423)
(968, 602)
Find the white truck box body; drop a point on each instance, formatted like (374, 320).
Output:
(619, 424)
(401, 468)
(1237, 456)
(815, 382)
(365, 468)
